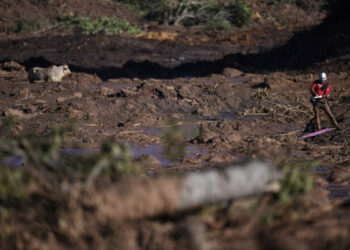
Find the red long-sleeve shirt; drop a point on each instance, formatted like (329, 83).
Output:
(321, 88)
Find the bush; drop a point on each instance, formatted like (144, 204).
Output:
(108, 26)
(13, 183)
(25, 25)
(296, 181)
(155, 10)
(218, 24)
(240, 13)
(208, 13)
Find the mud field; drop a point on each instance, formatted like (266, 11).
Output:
(234, 96)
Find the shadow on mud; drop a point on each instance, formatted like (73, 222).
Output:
(143, 70)
(300, 53)
(329, 40)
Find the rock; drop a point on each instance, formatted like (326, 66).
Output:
(83, 78)
(255, 78)
(185, 91)
(25, 92)
(149, 160)
(232, 73)
(78, 95)
(340, 176)
(215, 159)
(61, 99)
(12, 66)
(206, 136)
(107, 91)
(203, 111)
(18, 113)
(218, 77)
(235, 137)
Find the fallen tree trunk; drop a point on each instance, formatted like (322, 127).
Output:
(137, 198)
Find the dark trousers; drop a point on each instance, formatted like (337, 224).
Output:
(323, 104)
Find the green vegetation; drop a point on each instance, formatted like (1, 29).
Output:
(206, 13)
(114, 161)
(49, 166)
(219, 16)
(104, 25)
(296, 181)
(240, 13)
(13, 183)
(262, 93)
(174, 143)
(25, 25)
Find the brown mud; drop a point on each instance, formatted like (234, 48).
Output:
(236, 96)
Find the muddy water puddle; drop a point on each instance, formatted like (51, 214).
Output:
(232, 116)
(322, 170)
(303, 155)
(191, 151)
(338, 191)
(79, 151)
(156, 150)
(212, 81)
(237, 79)
(15, 161)
(187, 130)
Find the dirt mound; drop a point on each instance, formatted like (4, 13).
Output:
(13, 11)
(124, 88)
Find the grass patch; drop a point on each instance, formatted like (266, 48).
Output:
(262, 93)
(173, 141)
(13, 183)
(297, 181)
(105, 25)
(29, 25)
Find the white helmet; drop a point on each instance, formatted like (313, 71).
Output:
(323, 77)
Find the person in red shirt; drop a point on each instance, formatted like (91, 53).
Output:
(320, 90)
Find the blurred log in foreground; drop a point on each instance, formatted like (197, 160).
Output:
(165, 195)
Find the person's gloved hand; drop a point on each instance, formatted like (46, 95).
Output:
(318, 96)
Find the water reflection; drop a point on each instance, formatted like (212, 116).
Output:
(191, 151)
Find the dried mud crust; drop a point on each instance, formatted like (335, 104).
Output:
(49, 11)
(236, 115)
